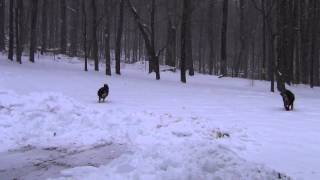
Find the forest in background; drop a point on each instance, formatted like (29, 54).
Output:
(273, 40)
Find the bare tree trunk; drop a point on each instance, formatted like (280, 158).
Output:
(74, 28)
(19, 25)
(317, 46)
(171, 43)
(184, 24)
(263, 39)
(223, 64)
(135, 45)
(107, 37)
(242, 38)
(314, 28)
(33, 37)
(200, 46)
(84, 21)
(44, 26)
(147, 40)
(210, 37)
(189, 54)
(119, 37)
(281, 46)
(189, 57)
(94, 35)
(11, 31)
(304, 41)
(52, 24)
(271, 41)
(2, 25)
(63, 27)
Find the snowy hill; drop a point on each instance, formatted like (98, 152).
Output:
(209, 128)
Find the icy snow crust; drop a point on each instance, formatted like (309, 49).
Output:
(208, 129)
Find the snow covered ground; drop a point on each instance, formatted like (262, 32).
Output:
(51, 126)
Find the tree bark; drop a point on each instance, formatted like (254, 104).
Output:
(211, 37)
(84, 21)
(189, 55)
(223, 64)
(314, 29)
(11, 31)
(263, 77)
(171, 44)
(74, 28)
(147, 40)
(2, 25)
(94, 35)
(119, 37)
(107, 37)
(184, 24)
(19, 25)
(44, 26)
(33, 37)
(63, 27)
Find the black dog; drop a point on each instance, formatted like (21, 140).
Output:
(103, 92)
(288, 99)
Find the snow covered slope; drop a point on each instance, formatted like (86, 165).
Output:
(209, 128)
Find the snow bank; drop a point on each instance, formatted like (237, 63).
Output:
(162, 146)
(43, 119)
(185, 160)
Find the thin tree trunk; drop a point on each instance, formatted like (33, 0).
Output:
(147, 40)
(271, 40)
(242, 38)
(107, 37)
(33, 37)
(19, 25)
(317, 58)
(313, 57)
(304, 41)
(119, 37)
(171, 42)
(223, 64)
(52, 25)
(94, 35)
(210, 37)
(63, 27)
(74, 28)
(2, 25)
(84, 20)
(44, 26)
(200, 46)
(189, 56)
(184, 24)
(11, 30)
(263, 39)
(281, 23)
(152, 16)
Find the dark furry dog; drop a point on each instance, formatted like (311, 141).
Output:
(103, 92)
(288, 99)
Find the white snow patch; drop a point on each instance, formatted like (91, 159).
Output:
(209, 128)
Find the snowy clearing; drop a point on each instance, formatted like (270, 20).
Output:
(209, 128)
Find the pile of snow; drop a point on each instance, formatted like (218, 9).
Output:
(162, 146)
(184, 160)
(41, 119)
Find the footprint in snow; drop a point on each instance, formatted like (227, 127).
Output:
(181, 134)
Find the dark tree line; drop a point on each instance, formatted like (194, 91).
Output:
(274, 40)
